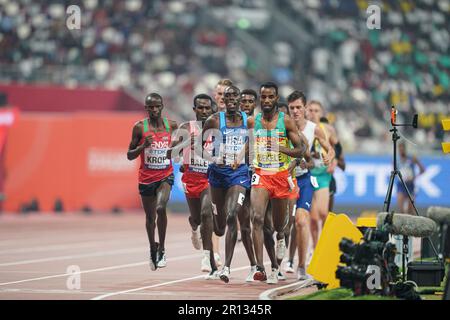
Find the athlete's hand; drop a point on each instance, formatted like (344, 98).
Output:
(303, 165)
(235, 165)
(325, 159)
(148, 141)
(332, 166)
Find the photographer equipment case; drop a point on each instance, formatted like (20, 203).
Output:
(426, 273)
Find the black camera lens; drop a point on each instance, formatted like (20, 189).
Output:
(347, 246)
(346, 258)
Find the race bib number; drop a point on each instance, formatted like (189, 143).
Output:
(314, 182)
(156, 158)
(214, 209)
(255, 179)
(241, 199)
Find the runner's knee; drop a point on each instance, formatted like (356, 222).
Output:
(258, 221)
(160, 210)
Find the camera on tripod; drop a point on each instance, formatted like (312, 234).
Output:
(369, 265)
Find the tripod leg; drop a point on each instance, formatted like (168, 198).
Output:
(409, 193)
(404, 256)
(387, 200)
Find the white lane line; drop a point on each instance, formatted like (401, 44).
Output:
(72, 245)
(161, 284)
(129, 265)
(85, 255)
(67, 246)
(69, 292)
(299, 284)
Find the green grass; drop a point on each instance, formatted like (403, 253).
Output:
(339, 294)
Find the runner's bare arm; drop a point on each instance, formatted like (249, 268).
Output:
(297, 162)
(332, 134)
(134, 149)
(320, 136)
(300, 147)
(419, 164)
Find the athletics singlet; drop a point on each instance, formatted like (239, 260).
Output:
(192, 162)
(308, 132)
(154, 164)
(233, 139)
(269, 160)
(228, 149)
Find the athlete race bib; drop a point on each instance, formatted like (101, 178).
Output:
(155, 156)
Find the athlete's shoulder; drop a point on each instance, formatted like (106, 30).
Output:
(139, 125)
(212, 121)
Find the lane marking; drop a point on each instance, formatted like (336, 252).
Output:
(299, 284)
(101, 297)
(85, 255)
(129, 265)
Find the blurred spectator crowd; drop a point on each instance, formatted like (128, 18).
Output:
(183, 47)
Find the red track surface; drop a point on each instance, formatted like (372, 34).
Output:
(112, 254)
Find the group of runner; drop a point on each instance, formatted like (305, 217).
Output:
(261, 174)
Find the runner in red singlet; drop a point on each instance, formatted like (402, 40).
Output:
(150, 141)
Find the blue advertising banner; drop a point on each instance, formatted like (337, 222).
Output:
(366, 179)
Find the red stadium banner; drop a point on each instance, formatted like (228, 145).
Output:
(79, 158)
(8, 116)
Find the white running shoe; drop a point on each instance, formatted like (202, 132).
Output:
(196, 238)
(281, 249)
(205, 265)
(302, 275)
(281, 276)
(162, 261)
(251, 274)
(273, 276)
(225, 274)
(289, 267)
(213, 275)
(218, 260)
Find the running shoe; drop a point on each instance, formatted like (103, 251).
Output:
(225, 274)
(205, 265)
(213, 275)
(281, 249)
(251, 274)
(281, 276)
(289, 267)
(273, 276)
(260, 274)
(195, 238)
(162, 261)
